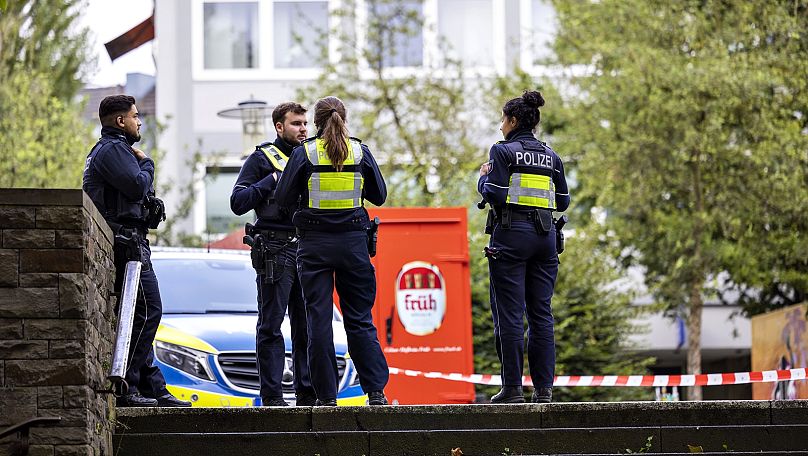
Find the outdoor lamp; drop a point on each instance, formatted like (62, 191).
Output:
(253, 114)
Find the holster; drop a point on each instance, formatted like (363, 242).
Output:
(127, 245)
(543, 221)
(155, 211)
(559, 224)
(505, 221)
(489, 222)
(373, 236)
(264, 257)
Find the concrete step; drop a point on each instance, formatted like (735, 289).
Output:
(760, 439)
(461, 417)
(763, 427)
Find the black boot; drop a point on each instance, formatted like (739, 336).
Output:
(305, 399)
(135, 400)
(509, 395)
(168, 400)
(377, 398)
(274, 402)
(542, 395)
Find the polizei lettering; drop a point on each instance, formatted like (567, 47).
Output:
(534, 159)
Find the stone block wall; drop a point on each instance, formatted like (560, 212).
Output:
(56, 320)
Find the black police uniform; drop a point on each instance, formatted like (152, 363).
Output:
(524, 263)
(333, 251)
(119, 183)
(254, 189)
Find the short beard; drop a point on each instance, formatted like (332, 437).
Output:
(132, 139)
(293, 141)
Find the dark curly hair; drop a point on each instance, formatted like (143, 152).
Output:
(525, 109)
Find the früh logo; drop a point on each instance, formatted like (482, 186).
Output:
(420, 298)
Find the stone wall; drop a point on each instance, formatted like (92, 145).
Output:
(56, 320)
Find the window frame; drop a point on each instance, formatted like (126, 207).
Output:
(526, 57)
(430, 39)
(266, 69)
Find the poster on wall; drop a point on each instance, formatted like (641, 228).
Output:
(780, 341)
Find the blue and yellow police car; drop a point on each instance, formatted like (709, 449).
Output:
(205, 345)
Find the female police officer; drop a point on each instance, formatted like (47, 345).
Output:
(524, 182)
(331, 174)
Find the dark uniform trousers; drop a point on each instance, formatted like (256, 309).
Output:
(141, 374)
(522, 280)
(273, 300)
(325, 259)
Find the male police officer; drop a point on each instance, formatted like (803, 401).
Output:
(274, 257)
(119, 179)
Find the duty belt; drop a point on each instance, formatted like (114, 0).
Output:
(277, 235)
(521, 216)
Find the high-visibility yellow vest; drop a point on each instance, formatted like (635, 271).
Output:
(332, 189)
(274, 155)
(531, 186)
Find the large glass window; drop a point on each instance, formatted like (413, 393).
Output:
(300, 33)
(398, 31)
(231, 35)
(544, 29)
(466, 25)
(218, 187)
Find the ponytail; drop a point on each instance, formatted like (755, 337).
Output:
(329, 118)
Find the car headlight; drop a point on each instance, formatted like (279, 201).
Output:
(192, 362)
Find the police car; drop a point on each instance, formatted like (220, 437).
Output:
(205, 345)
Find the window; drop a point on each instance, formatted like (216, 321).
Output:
(231, 35)
(399, 32)
(539, 33)
(218, 187)
(299, 33)
(466, 25)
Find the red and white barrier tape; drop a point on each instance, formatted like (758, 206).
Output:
(736, 378)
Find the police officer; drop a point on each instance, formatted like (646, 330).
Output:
(119, 179)
(278, 289)
(332, 174)
(524, 182)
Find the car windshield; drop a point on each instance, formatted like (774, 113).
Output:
(203, 285)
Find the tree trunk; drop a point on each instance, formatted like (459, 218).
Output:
(696, 280)
(694, 337)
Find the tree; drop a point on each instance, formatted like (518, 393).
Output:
(690, 122)
(42, 138)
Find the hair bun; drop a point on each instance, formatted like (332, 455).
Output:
(533, 99)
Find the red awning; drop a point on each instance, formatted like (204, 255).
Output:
(233, 240)
(133, 39)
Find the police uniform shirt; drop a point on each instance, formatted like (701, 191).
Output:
(255, 188)
(494, 186)
(294, 184)
(116, 181)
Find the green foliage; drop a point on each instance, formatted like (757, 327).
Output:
(690, 126)
(42, 37)
(645, 448)
(42, 138)
(696, 120)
